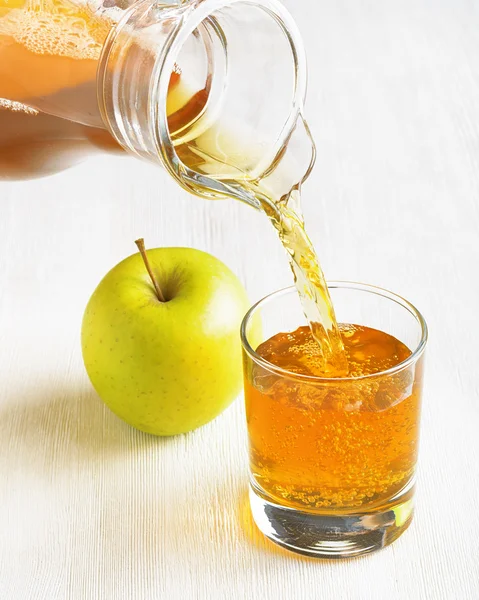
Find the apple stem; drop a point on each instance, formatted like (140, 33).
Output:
(141, 247)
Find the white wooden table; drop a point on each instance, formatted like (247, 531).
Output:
(92, 509)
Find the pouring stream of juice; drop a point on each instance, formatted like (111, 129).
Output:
(227, 156)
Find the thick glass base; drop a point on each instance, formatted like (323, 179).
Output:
(330, 536)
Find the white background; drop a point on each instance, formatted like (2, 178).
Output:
(90, 508)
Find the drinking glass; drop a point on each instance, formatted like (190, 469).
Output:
(333, 460)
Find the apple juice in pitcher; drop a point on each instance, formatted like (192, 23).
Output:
(48, 49)
(49, 56)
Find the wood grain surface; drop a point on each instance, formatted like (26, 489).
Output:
(91, 509)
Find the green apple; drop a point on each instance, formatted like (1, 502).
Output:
(163, 351)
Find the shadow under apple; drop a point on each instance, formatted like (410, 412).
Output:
(47, 430)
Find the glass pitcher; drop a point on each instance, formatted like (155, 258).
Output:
(213, 90)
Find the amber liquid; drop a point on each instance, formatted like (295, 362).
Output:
(46, 51)
(225, 158)
(333, 446)
(49, 53)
